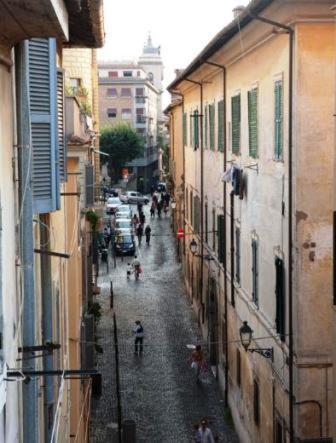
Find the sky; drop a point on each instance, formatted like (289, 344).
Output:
(181, 27)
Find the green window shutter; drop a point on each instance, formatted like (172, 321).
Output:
(43, 105)
(196, 130)
(235, 123)
(212, 126)
(278, 119)
(184, 129)
(221, 126)
(252, 100)
(205, 133)
(280, 316)
(255, 272)
(60, 126)
(221, 237)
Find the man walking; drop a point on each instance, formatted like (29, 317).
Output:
(204, 433)
(138, 332)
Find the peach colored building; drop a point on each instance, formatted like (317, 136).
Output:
(257, 134)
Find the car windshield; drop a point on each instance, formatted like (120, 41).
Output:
(124, 239)
(123, 224)
(113, 201)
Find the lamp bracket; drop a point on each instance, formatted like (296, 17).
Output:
(265, 352)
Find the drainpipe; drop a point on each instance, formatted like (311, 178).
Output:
(226, 369)
(47, 325)
(290, 32)
(202, 181)
(29, 390)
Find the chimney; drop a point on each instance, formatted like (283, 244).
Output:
(237, 11)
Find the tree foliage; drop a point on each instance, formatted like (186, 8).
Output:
(122, 143)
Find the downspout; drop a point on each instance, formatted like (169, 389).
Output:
(226, 369)
(202, 181)
(290, 32)
(29, 390)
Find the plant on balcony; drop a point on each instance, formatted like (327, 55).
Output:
(92, 217)
(122, 144)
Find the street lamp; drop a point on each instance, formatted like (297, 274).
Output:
(193, 249)
(246, 337)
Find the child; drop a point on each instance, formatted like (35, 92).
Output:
(129, 270)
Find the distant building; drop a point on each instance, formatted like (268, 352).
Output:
(131, 92)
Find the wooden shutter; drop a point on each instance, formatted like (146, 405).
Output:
(205, 133)
(237, 255)
(280, 315)
(220, 108)
(235, 124)
(278, 119)
(89, 186)
(256, 402)
(255, 272)
(42, 91)
(60, 126)
(252, 99)
(185, 134)
(221, 237)
(212, 126)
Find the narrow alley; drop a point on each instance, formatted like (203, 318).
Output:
(158, 389)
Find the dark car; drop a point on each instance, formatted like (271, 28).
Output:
(124, 244)
(113, 192)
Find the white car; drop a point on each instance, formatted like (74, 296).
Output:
(124, 211)
(133, 197)
(123, 223)
(112, 204)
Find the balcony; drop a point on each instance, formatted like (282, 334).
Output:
(141, 119)
(140, 100)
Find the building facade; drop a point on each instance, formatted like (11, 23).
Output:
(255, 151)
(131, 93)
(35, 218)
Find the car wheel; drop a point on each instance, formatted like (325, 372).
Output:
(146, 201)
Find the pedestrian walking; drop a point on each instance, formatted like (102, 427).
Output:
(155, 198)
(196, 360)
(165, 208)
(148, 234)
(159, 208)
(142, 218)
(152, 210)
(128, 271)
(139, 233)
(107, 236)
(138, 332)
(139, 204)
(135, 221)
(205, 434)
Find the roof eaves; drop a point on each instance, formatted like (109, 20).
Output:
(220, 39)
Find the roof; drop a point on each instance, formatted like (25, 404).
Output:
(86, 23)
(220, 39)
(173, 104)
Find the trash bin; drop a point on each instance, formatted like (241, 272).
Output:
(129, 431)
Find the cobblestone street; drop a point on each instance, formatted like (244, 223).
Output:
(158, 389)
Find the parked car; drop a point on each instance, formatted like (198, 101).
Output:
(124, 244)
(124, 211)
(133, 197)
(112, 204)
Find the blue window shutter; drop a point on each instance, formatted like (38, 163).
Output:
(43, 96)
(60, 125)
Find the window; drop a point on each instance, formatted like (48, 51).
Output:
(185, 132)
(140, 115)
(235, 124)
(214, 229)
(112, 113)
(255, 272)
(280, 315)
(139, 92)
(252, 100)
(186, 204)
(126, 92)
(138, 74)
(212, 126)
(127, 73)
(150, 77)
(278, 119)
(196, 130)
(126, 114)
(205, 132)
(221, 238)
(256, 402)
(196, 218)
(113, 74)
(238, 364)
(237, 253)
(221, 140)
(111, 92)
(206, 221)
(75, 83)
